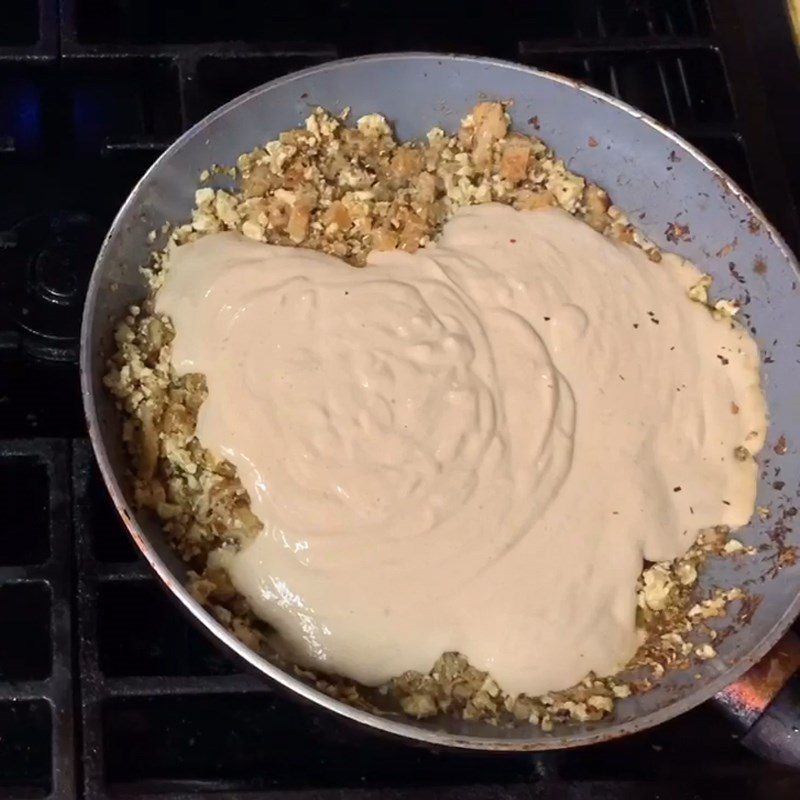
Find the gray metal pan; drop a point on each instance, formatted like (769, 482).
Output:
(660, 180)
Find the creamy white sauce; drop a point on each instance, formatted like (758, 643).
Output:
(471, 448)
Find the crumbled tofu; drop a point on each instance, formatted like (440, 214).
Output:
(734, 546)
(686, 573)
(705, 652)
(657, 587)
(713, 607)
(726, 308)
(374, 126)
(699, 292)
(204, 197)
(601, 703)
(252, 230)
(721, 309)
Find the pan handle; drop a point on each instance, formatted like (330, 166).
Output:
(765, 703)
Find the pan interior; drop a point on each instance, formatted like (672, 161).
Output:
(650, 173)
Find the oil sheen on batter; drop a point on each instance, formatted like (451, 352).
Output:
(471, 448)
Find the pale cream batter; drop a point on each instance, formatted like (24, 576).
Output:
(471, 448)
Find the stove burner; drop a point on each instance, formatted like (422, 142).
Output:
(58, 252)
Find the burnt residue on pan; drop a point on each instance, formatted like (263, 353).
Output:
(727, 249)
(676, 232)
(735, 274)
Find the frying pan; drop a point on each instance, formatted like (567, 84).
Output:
(679, 199)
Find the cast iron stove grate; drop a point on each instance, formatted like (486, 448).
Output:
(105, 690)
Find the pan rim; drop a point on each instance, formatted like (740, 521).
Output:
(574, 737)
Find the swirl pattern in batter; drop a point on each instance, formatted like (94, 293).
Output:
(471, 448)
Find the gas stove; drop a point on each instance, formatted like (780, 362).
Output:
(105, 689)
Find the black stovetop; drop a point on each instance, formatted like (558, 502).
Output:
(104, 688)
